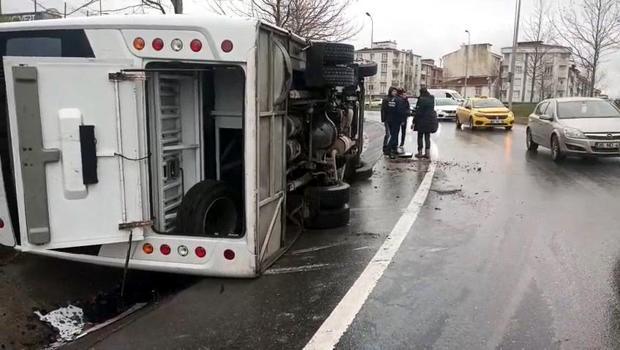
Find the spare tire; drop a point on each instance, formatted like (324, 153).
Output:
(325, 53)
(211, 209)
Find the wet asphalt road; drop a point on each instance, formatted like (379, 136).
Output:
(510, 251)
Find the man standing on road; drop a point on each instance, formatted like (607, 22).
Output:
(396, 111)
(403, 129)
(385, 110)
(425, 122)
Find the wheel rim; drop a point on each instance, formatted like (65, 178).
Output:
(220, 218)
(555, 147)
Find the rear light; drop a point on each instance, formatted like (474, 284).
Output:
(1, 223)
(229, 254)
(182, 250)
(176, 45)
(195, 45)
(147, 248)
(200, 252)
(138, 43)
(158, 44)
(165, 249)
(227, 46)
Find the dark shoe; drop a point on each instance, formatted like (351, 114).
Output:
(392, 155)
(427, 155)
(419, 155)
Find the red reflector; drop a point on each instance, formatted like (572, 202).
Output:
(200, 252)
(158, 44)
(195, 45)
(1, 223)
(165, 249)
(227, 45)
(229, 254)
(138, 43)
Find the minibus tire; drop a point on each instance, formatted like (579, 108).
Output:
(190, 199)
(329, 197)
(331, 53)
(330, 218)
(338, 76)
(365, 70)
(223, 205)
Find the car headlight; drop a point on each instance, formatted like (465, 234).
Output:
(574, 133)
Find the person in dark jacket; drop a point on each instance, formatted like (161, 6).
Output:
(385, 109)
(425, 122)
(403, 129)
(396, 113)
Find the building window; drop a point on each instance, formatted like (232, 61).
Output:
(478, 90)
(372, 56)
(549, 70)
(384, 87)
(384, 57)
(518, 70)
(516, 94)
(517, 81)
(371, 87)
(384, 67)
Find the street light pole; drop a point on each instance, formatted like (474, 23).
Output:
(372, 29)
(513, 57)
(467, 60)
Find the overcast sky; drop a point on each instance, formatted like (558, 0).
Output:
(430, 28)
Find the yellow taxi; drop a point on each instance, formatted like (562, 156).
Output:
(484, 112)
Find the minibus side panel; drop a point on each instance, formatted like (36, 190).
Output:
(51, 103)
(7, 234)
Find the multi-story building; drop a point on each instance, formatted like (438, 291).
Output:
(474, 66)
(399, 68)
(541, 71)
(431, 75)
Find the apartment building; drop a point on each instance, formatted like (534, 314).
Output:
(396, 67)
(431, 75)
(541, 71)
(472, 70)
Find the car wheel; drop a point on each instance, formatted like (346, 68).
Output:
(471, 123)
(508, 128)
(556, 151)
(531, 145)
(458, 124)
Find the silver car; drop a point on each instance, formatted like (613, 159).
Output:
(579, 126)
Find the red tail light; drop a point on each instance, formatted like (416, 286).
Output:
(165, 249)
(1, 223)
(195, 45)
(227, 46)
(200, 252)
(158, 44)
(229, 254)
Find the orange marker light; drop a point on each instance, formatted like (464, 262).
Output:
(147, 248)
(138, 43)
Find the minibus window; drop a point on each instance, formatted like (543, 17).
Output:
(34, 47)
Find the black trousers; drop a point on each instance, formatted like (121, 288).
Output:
(424, 139)
(403, 133)
(394, 130)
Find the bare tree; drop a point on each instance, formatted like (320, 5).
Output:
(539, 32)
(177, 5)
(592, 30)
(312, 19)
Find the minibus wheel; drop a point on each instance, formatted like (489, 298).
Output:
(330, 76)
(212, 210)
(366, 70)
(190, 199)
(328, 197)
(330, 53)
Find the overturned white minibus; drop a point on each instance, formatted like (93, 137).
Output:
(198, 145)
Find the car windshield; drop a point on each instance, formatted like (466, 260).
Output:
(587, 109)
(488, 103)
(445, 102)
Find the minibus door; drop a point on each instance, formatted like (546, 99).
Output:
(273, 80)
(76, 145)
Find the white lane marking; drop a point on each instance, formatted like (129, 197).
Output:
(332, 329)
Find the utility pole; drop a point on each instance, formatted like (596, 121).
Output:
(65, 9)
(35, 6)
(467, 60)
(372, 29)
(513, 57)
(100, 9)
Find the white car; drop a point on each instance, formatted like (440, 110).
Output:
(446, 93)
(446, 108)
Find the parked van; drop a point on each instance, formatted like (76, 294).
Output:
(446, 93)
(199, 145)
